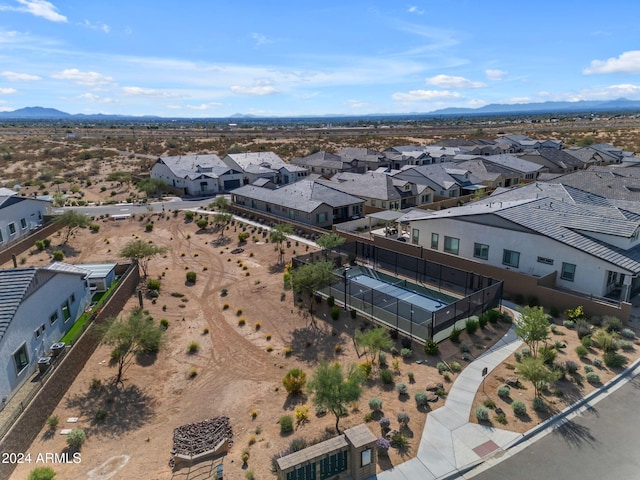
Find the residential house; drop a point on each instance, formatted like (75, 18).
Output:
(520, 143)
(101, 275)
(267, 165)
(19, 216)
(327, 164)
(445, 179)
(556, 161)
(197, 175)
(381, 191)
(37, 307)
(600, 153)
(614, 182)
(371, 159)
(591, 244)
(513, 168)
(306, 201)
(480, 146)
(407, 155)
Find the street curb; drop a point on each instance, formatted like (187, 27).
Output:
(572, 408)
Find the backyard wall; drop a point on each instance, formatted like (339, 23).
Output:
(28, 242)
(24, 431)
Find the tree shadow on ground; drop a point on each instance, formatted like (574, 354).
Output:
(276, 268)
(312, 343)
(293, 401)
(575, 435)
(146, 359)
(127, 408)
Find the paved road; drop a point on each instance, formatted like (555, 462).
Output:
(129, 208)
(601, 443)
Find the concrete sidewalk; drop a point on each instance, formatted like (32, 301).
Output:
(450, 444)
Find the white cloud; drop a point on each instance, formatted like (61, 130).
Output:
(517, 100)
(91, 79)
(627, 62)
(611, 92)
(260, 39)
(19, 77)
(448, 81)
(147, 92)
(205, 106)
(477, 103)
(357, 103)
(92, 98)
(425, 95)
(39, 8)
(96, 26)
(416, 10)
(495, 75)
(8, 91)
(257, 90)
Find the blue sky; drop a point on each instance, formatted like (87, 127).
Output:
(215, 58)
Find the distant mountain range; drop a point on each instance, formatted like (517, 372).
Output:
(621, 104)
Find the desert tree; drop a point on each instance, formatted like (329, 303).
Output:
(143, 252)
(71, 221)
(220, 203)
(333, 389)
(328, 241)
(151, 186)
(307, 279)
(532, 327)
(221, 219)
(120, 177)
(278, 235)
(373, 340)
(535, 371)
(131, 336)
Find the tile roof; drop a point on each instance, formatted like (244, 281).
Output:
(196, 166)
(14, 284)
(365, 185)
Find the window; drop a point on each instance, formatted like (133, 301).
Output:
(53, 318)
(66, 313)
(384, 204)
(365, 457)
(568, 272)
(547, 261)
(321, 217)
(12, 228)
(292, 214)
(511, 258)
(20, 358)
(435, 239)
(481, 251)
(304, 472)
(1, 238)
(451, 245)
(426, 198)
(415, 235)
(72, 298)
(373, 203)
(23, 222)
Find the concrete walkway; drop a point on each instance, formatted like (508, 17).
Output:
(450, 443)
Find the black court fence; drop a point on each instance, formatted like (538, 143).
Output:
(475, 293)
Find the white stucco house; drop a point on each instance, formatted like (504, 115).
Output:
(37, 307)
(197, 175)
(19, 216)
(265, 165)
(590, 242)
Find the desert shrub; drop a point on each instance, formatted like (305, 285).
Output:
(375, 404)
(193, 347)
(465, 348)
(399, 441)
(625, 345)
(597, 362)
(525, 352)
(539, 405)
(471, 326)
(42, 473)
(596, 321)
(153, 284)
(301, 413)
(588, 368)
(242, 321)
(242, 237)
(454, 336)
(238, 312)
(286, 424)
(612, 324)
(582, 351)
(571, 366)
(191, 277)
(455, 367)
(570, 324)
(466, 356)
(406, 353)
(383, 445)
(411, 377)
(245, 456)
(403, 418)
(493, 316)
(100, 415)
(575, 313)
(249, 475)
(501, 418)
(517, 356)
(519, 408)
(58, 255)
(386, 376)
(384, 423)
(335, 312)
(164, 323)
(298, 444)
(401, 388)
(558, 345)
(490, 404)
(431, 348)
(294, 381)
(605, 340)
(368, 417)
(586, 341)
(405, 342)
(258, 326)
(52, 422)
(148, 227)
(554, 312)
(547, 354)
(382, 358)
(482, 321)
(40, 245)
(628, 333)
(614, 360)
(504, 391)
(205, 331)
(365, 368)
(331, 301)
(442, 367)
(76, 438)
(420, 398)
(482, 414)
(592, 377)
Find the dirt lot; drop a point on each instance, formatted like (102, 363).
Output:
(239, 368)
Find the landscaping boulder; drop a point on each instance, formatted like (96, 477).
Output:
(432, 397)
(434, 387)
(512, 382)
